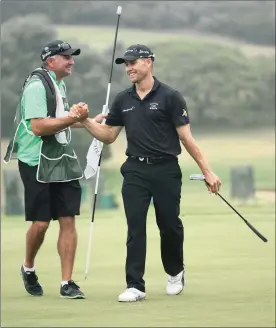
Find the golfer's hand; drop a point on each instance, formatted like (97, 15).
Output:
(213, 182)
(79, 111)
(100, 117)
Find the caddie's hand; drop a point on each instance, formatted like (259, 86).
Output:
(100, 117)
(73, 112)
(213, 182)
(79, 111)
(83, 105)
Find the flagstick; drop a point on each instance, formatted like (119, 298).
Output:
(105, 109)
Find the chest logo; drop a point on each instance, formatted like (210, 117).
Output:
(153, 106)
(128, 109)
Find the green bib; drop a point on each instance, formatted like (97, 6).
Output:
(57, 160)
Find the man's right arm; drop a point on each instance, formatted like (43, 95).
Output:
(35, 110)
(109, 131)
(105, 133)
(50, 126)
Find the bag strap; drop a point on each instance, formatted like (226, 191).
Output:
(42, 74)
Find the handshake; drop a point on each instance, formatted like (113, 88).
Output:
(79, 111)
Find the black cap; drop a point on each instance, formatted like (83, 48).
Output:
(58, 47)
(135, 52)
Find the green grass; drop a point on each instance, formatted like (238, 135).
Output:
(101, 37)
(230, 272)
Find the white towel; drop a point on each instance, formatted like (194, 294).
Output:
(60, 112)
(93, 154)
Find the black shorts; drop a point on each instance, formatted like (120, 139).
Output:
(47, 201)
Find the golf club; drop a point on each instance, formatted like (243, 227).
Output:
(201, 177)
(104, 111)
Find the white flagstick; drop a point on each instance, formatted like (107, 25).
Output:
(91, 228)
(99, 149)
(94, 151)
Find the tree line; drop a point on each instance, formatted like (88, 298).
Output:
(222, 87)
(251, 21)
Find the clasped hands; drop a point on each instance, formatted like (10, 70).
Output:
(80, 113)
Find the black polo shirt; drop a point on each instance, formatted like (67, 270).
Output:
(150, 123)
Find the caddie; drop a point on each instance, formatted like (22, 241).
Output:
(48, 165)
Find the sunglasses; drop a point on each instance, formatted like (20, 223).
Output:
(60, 48)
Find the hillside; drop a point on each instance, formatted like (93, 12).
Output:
(250, 21)
(101, 37)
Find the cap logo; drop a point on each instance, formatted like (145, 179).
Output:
(46, 54)
(136, 50)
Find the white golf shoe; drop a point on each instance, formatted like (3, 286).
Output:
(131, 295)
(175, 284)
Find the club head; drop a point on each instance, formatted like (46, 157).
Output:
(199, 177)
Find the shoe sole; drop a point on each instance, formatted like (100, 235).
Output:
(175, 294)
(136, 300)
(73, 297)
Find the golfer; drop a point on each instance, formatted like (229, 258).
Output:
(155, 117)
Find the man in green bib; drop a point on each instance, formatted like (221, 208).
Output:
(48, 165)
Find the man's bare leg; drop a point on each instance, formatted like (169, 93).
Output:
(67, 245)
(34, 239)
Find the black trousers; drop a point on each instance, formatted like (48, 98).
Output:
(162, 182)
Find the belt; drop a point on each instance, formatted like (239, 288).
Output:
(153, 160)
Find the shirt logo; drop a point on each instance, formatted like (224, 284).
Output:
(153, 106)
(185, 113)
(128, 109)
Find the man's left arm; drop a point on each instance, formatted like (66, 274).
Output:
(180, 118)
(188, 141)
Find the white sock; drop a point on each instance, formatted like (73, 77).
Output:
(64, 282)
(28, 269)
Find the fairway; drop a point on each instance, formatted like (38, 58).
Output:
(230, 272)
